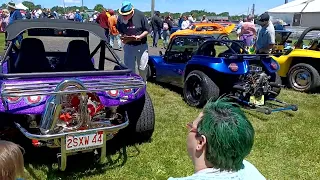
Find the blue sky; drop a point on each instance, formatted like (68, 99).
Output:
(232, 6)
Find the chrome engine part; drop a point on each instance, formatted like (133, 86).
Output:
(70, 112)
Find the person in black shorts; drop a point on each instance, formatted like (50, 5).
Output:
(132, 23)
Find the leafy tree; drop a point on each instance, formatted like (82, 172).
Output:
(30, 5)
(3, 6)
(99, 8)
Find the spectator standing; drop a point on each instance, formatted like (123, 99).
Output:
(78, 16)
(133, 23)
(218, 142)
(85, 16)
(114, 33)
(181, 19)
(167, 26)
(28, 14)
(15, 14)
(4, 19)
(204, 19)
(185, 24)
(102, 20)
(156, 25)
(248, 32)
(191, 18)
(11, 161)
(266, 35)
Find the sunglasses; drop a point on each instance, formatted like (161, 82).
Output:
(192, 129)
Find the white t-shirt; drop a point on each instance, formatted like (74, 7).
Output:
(249, 172)
(185, 24)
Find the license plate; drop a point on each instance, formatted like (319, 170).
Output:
(84, 141)
(257, 101)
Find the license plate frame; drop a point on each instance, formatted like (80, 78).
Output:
(84, 141)
(257, 101)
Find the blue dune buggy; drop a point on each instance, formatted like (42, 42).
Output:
(208, 68)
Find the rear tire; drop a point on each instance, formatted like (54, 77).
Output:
(141, 120)
(204, 90)
(277, 79)
(303, 77)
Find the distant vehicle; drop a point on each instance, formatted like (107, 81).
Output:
(206, 29)
(300, 65)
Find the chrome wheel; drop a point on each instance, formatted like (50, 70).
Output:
(301, 79)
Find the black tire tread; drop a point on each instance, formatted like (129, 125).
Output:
(210, 90)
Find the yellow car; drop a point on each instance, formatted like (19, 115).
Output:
(301, 64)
(206, 29)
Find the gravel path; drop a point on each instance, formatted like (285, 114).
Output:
(61, 44)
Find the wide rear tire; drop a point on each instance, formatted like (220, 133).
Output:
(199, 88)
(141, 119)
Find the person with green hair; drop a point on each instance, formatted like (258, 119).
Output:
(218, 141)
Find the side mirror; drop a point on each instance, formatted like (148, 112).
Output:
(160, 53)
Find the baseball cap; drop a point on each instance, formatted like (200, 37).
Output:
(264, 17)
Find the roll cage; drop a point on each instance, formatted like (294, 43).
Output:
(61, 28)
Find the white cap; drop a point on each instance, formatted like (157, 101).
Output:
(77, 10)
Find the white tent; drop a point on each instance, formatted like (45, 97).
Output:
(21, 6)
(298, 12)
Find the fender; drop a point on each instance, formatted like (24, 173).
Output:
(219, 64)
(285, 61)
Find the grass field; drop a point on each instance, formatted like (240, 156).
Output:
(287, 145)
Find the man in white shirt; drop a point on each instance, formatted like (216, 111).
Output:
(218, 141)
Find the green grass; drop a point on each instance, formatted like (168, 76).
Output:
(287, 145)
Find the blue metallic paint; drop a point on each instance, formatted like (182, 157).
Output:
(173, 73)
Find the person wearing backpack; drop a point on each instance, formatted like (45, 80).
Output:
(167, 26)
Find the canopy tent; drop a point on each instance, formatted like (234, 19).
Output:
(298, 12)
(297, 6)
(21, 6)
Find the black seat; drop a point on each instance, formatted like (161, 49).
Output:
(32, 57)
(78, 57)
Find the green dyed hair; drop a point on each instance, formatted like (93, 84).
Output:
(229, 134)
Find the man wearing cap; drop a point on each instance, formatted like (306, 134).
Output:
(266, 35)
(134, 24)
(15, 14)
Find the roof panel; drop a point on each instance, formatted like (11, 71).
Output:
(20, 26)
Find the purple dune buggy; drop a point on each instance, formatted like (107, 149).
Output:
(58, 99)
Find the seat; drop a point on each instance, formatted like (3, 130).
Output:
(32, 57)
(209, 50)
(314, 45)
(78, 57)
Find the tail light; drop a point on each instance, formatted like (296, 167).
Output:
(127, 91)
(13, 99)
(274, 65)
(113, 93)
(34, 99)
(233, 67)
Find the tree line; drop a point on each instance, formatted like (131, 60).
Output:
(100, 7)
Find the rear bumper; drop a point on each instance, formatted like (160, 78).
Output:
(111, 129)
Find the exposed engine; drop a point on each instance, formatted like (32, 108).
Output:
(255, 83)
(77, 112)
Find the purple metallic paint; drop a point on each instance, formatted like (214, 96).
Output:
(23, 107)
